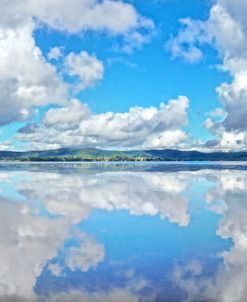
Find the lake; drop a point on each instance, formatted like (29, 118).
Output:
(144, 232)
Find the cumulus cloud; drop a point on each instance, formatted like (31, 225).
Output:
(187, 43)
(29, 80)
(225, 140)
(5, 145)
(87, 69)
(55, 269)
(166, 139)
(230, 37)
(67, 117)
(225, 30)
(55, 53)
(139, 127)
(76, 16)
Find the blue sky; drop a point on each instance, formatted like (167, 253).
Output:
(156, 51)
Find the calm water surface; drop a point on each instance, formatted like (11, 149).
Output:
(123, 233)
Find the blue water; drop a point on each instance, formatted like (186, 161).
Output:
(123, 232)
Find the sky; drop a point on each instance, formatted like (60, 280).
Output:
(124, 74)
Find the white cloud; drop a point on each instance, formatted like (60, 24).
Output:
(87, 69)
(27, 80)
(139, 127)
(55, 269)
(67, 117)
(75, 16)
(225, 30)
(5, 145)
(167, 139)
(55, 53)
(187, 43)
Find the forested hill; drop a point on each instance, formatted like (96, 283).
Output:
(94, 154)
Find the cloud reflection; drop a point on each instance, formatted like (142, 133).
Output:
(74, 196)
(34, 229)
(227, 197)
(27, 242)
(30, 239)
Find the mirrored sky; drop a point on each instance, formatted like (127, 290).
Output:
(119, 234)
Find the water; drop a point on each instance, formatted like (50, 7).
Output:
(123, 232)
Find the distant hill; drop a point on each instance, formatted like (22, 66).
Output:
(94, 154)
